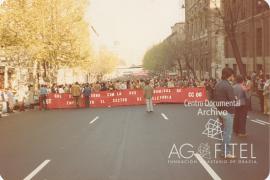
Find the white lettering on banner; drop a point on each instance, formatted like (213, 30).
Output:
(95, 95)
(70, 102)
(162, 98)
(119, 94)
(159, 91)
(110, 94)
(57, 96)
(178, 90)
(120, 100)
(193, 94)
(131, 97)
(132, 93)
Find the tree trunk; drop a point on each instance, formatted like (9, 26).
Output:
(45, 69)
(191, 69)
(237, 54)
(180, 67)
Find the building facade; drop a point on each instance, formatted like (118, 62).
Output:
(178, 32)
(253, 37)
(205, 40)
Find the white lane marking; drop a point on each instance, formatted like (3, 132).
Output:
(164, 116)
(96, 118)
(258, 122)
(212, 173)
(39, 168)
(1, 178)
(262, 121)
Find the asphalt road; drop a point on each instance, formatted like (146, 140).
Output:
(125, 143)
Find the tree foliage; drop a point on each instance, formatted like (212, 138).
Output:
(167, 55)
(228, 12)
(158, 57)
(104, 63)
(49, 33)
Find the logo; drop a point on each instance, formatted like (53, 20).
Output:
(204, 150)
(186, 153)
(213, 129)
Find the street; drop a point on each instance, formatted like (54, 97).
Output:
(123, 143)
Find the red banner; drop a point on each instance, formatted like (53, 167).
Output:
(127, 98)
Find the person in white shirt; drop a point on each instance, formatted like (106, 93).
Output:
(170, 84)
(10, 97)
(123, 86)
(61, 90)
(21, 97)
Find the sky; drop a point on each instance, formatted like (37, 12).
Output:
(130, 27)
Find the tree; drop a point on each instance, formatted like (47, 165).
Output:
(104, 63)
(167, 54)
(50, 33)
(228, 11)
(157, 58)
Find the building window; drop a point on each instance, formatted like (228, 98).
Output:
(259, 42)
(244, 45)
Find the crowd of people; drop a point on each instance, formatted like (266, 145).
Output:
(128, 84)
(231, 89)
(11, 100)
(256, 83)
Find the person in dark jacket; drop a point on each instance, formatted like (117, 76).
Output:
(240, 117)
(86, 94)
(42, 97)
(224, 99)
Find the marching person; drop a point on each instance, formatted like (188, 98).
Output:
(240, 117)
(86, 94)
(5, 108)
(10, 96)
(21, 98)
(76, 93)
(42, 97)
(224, 94)
(148, 94)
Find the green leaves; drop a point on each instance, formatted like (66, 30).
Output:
(50, 31)
(163, 56)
